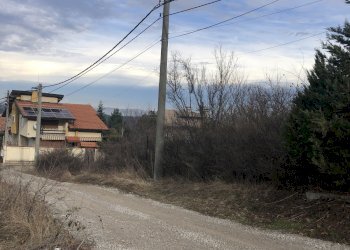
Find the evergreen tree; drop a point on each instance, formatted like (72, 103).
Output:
(116, 120)
(100, 112)
(318, 131)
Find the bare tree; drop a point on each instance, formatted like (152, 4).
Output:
(229, 128)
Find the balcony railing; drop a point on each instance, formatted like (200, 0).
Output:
(52, 131)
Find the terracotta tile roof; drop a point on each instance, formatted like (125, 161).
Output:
(85, 144)
(21, 104)
(2, 124)
(85, 117)
(73, 139)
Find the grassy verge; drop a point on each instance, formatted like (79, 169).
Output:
(26, 222)
(257, 205)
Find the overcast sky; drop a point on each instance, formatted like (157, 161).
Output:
(51, 40)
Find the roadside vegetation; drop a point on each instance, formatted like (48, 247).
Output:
(26, 221)
(236, 150)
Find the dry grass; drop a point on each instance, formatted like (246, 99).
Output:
(26, 222)
(253, 204)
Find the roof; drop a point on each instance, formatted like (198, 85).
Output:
(73, 139)
(21, 104)
(22, 92)
(50, 111)
(2, 124)
(85, 117)
(85, 144)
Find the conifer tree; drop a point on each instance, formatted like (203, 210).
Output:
(318, 131)
(116, 120)
(100, 112)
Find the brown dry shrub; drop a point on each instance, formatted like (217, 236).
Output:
(59, 162)
(26, 221)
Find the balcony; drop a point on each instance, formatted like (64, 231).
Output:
(52, 131)
(53, 134)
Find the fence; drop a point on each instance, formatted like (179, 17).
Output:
(27, 154)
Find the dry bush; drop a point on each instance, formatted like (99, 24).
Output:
(132, 152)
(58, 162)
(26, 221)
(226, 128)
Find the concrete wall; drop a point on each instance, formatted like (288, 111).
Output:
(16, 154)
(34, 98)
(26, 127)
(25, 154)
(96, 136)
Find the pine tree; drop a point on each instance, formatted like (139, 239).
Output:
(318, 131)
(100, 112)
(116, 120)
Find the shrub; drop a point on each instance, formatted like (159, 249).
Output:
(26, 221)
(134, 151)
(59, 161)
(226, 128)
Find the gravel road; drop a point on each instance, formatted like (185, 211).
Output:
(115, 220)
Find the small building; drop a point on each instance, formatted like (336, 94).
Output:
(2, 128)
(62, 124)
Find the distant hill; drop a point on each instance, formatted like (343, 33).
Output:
(126, 112)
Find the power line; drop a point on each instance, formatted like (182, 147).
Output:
(101, 58)
(144, 30)
(225, 21)
(68, 81)
(211, 26)
(195, 7)
(266, 15)
(275, 46)
(284, 44)
(110, 72)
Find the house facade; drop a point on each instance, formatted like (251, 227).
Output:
(62, 124)
(2, 129)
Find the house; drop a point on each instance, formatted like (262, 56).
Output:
(183, 118)
(2, 128)
(62, 124)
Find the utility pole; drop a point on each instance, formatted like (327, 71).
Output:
(158, 168)
(38, 123)
(6, 125)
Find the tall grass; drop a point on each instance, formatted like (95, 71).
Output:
(26, 221)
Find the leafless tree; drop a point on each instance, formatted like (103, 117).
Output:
(229, 128)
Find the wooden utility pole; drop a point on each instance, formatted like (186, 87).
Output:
(38, 123)
(6, 125)
(158, 168)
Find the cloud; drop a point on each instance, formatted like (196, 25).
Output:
(32, 25)
(56, 39)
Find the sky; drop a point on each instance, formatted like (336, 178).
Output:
(49, 41)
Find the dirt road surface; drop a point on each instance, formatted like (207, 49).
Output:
(115, 220)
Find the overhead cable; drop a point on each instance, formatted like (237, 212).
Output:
(108, 52)
(100, 61)
(225, 21)
(112, 71)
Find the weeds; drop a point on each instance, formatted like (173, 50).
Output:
(26, 221)
(59, 162)
(254, 204)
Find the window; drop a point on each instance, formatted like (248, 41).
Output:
(49, 125)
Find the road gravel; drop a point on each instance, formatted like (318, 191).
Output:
(115, 220)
